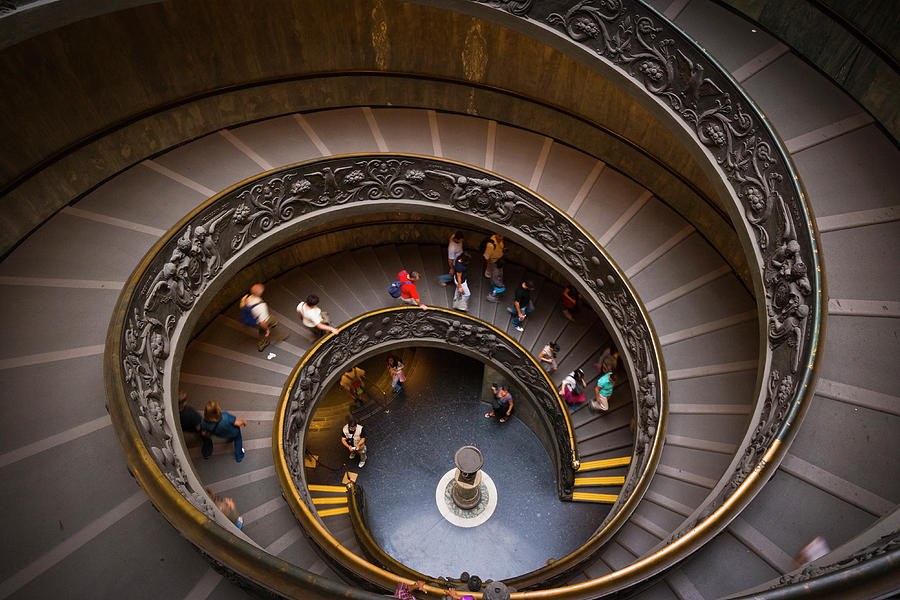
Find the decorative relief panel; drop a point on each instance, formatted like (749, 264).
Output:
(666, 64)
(183, 268)
(410, 326)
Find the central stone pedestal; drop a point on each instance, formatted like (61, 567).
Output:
(466, 490)
(466, 496)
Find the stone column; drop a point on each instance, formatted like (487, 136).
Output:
(466, 490)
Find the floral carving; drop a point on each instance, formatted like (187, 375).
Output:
(192, 263)
(408, 326)
(266, 205)
(189, 261)
(662, 61)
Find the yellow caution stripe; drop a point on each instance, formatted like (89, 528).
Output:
(327, 488)
(606, 463)
(597, 481)
(330, 512)
(330, 500)
(591, 497)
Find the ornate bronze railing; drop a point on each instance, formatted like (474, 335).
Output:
(379, 332)
(168, 291)
(628, 40)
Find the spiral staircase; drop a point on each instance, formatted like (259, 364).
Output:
(78, 526)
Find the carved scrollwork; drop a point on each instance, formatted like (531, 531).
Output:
(182, 270)
(410, 326)
(662, 61)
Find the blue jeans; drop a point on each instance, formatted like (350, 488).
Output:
(525, 310)
(238, 446)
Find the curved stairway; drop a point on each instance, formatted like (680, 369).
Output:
(61, 283)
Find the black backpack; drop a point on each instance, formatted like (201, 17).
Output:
(482, 247)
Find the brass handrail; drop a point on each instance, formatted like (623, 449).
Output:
(171, 285)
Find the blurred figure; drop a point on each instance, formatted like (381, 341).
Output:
(815, 548)
(493, 251)
(228, 508)
(461, 278)
(454, 250)
(571, 300)
(573, 386)
(395, 367)
(547, 357)
(608, 361)
(403, 591)
(224, 425)
(354, 382)
(190, 423)
(255, 313)
(497, 285)
(314, 317)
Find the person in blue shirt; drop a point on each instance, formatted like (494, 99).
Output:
(225, 425)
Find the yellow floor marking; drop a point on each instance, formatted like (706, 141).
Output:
(599, 480)
(331, 500)
(605, 463)
(610, 498)
(327, 488)
(328, 512)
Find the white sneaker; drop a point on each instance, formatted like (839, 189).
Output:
(362, 463)
(520, 329)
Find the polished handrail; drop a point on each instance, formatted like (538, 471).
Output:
(378, 332)
(165, 296)
(356, 502)
(384, 329)
(631, 42)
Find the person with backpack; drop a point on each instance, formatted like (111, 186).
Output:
(255, 313)
(573, 386)
(314, 317)
(492, 251)
(225, 425)
(404, 288)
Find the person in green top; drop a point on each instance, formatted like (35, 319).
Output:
(602, 392)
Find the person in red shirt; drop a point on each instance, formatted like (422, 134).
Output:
(408, 292)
